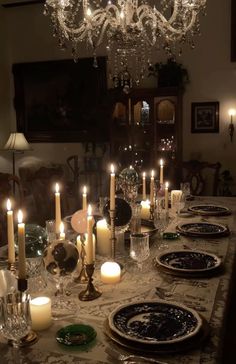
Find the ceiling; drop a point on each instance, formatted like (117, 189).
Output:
(14, 3)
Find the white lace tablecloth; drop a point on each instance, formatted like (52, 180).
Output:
(208, 296)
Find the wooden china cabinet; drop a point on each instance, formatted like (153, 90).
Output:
(146, 126)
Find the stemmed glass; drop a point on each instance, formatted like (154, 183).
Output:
(139, 248)
(161, 220)
(60, 260)
(15, 322)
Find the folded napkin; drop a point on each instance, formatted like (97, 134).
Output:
(8, 282)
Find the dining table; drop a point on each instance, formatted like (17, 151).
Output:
(207, 295)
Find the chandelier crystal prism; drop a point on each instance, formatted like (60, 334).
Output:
(130, 29)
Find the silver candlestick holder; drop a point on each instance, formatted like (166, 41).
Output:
(113, 234)
(152, 208)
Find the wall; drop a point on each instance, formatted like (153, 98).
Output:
(212, 76)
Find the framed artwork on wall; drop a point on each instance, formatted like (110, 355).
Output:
(62, 101)
(205, 117)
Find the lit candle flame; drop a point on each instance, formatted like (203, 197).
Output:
(57, 188)
(161, 162)
(130, 167)
(20, 216)
(122, 15)
(152, 173)
(62, 228)
(89, 12)
(8, 204)
(167, 184)
(89, 210)
(84, 190)
(144, 174)
(112, 168)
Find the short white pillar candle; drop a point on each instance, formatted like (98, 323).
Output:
(145, 211)
(41, 313)
(110, 272)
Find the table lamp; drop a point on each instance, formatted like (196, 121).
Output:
(16, 143)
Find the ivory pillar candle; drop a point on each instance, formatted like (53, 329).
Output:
(112, 189)
(145, 210)
(144, 186)
(175, 197)
(62, 232)
(57, 209)
(89, 248)
(166, 196)
(161, 171)
(10, 234)
(21, 247)
(83, 239)
(40, 311)
(84, 206)
(103, 238)
(110, 272)
(152, 188)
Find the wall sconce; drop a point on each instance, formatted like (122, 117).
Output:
(232, 112)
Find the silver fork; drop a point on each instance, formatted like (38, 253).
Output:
(129, 358)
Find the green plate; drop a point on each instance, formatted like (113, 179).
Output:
(76, 335)
(170, 236)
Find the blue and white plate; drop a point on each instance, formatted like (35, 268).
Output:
(202, 229)
(209, 210)
(155, 322)
(188, 261)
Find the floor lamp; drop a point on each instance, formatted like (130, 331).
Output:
(16, 143)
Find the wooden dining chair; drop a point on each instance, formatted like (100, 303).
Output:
(202, 176)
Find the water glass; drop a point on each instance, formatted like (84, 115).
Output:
(15, 321)
(50, 230)
(161, 221)
(139, 248)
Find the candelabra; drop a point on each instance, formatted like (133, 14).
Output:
(82, 277)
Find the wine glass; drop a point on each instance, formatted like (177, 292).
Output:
(161, 221)
(60, 260)
(181, 203)
(139, 248)
(15, 322)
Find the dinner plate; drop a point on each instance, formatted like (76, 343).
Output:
(154, 322)
(202, 229)
(76, 335)
(189, 261)
(144, 349)
(209, 210)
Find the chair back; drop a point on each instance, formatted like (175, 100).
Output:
(202, 176)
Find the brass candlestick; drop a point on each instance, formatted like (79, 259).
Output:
(113, 234)
(91, 292)
(82, 277)
(12, 267)
(152, 207)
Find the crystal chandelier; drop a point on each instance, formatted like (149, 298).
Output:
(130, 29)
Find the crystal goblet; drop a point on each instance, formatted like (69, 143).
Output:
(139, 248)
(15, 322)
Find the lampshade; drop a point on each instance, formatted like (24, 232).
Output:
(17, 142)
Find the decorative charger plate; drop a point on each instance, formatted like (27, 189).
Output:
(189, 261)
(76, 335)
(155, 322)
(209, 210)
(205, 229)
